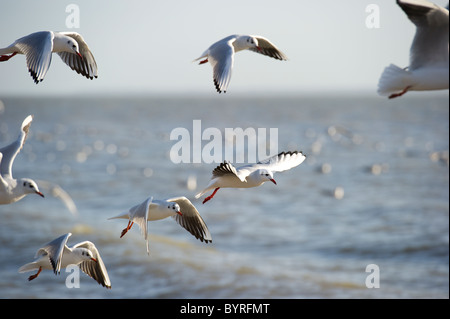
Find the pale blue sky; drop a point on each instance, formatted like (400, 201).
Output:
(147, 46)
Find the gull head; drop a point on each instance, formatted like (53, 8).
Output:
(267, 175)
(29, 186)
(72, 46)
(175, 208)
(85, 254)
(252, 42)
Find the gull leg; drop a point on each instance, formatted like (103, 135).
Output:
(204, 61)
(35, 275)
(130, 224)
(211, 196)
(6, 57)
(401, 93)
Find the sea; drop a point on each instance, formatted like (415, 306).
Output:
(365, 216)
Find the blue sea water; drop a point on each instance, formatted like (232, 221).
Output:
(374, 190)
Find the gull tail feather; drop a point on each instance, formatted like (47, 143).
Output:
(28, 267)
(393, 79)
(202, 193)
(121, 216)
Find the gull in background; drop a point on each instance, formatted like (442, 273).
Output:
(56, 255)
(221, 55)
(180, 208)
(12, 190)
(428, 66)
(39, 46)
(226, 175)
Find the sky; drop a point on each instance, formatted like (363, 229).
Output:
(147, 46)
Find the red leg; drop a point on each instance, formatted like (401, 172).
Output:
(35, 275)
(211, 196)
(401, 93)
(204, 61)
(130, 224)
(6, 57)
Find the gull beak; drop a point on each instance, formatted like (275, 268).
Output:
(259, 48)
(273, 181)
(179, 213)
(93, 259)
(40, 194)
(79, 54)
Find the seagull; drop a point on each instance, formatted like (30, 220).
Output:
(180, 208)
(56, 255)
(39, 46)
(221, 55)
(12, 190)
(253, 175)
(428, 65)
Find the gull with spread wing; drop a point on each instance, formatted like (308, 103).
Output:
(221, 55)
(180, 208)
(56, 255)
(39, 46)
(226, 175)
(12, 190)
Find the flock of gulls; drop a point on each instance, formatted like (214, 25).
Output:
(428, 70)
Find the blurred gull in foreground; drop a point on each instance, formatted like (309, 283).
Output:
(429, 67)
(180, 208)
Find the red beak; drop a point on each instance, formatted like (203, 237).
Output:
(179, 213)
(259, 49)
(40, 194)
(273, 181)
(79, 54)
(93, 259)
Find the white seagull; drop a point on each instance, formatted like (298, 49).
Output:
(56, 255)
(180, 208)
(39, 46)
(428, 66)
(226, 175)
(12, 190)
(221, 55)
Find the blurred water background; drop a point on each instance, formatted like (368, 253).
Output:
(373, 190)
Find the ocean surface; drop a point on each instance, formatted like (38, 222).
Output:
(374, 190)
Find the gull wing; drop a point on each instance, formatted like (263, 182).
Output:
(37, 48)
(86, 66)
(268, 48)
(191, 219)
(430, 44)
(95, 270)
(55, 250)
(282, 162)
(10, 151)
